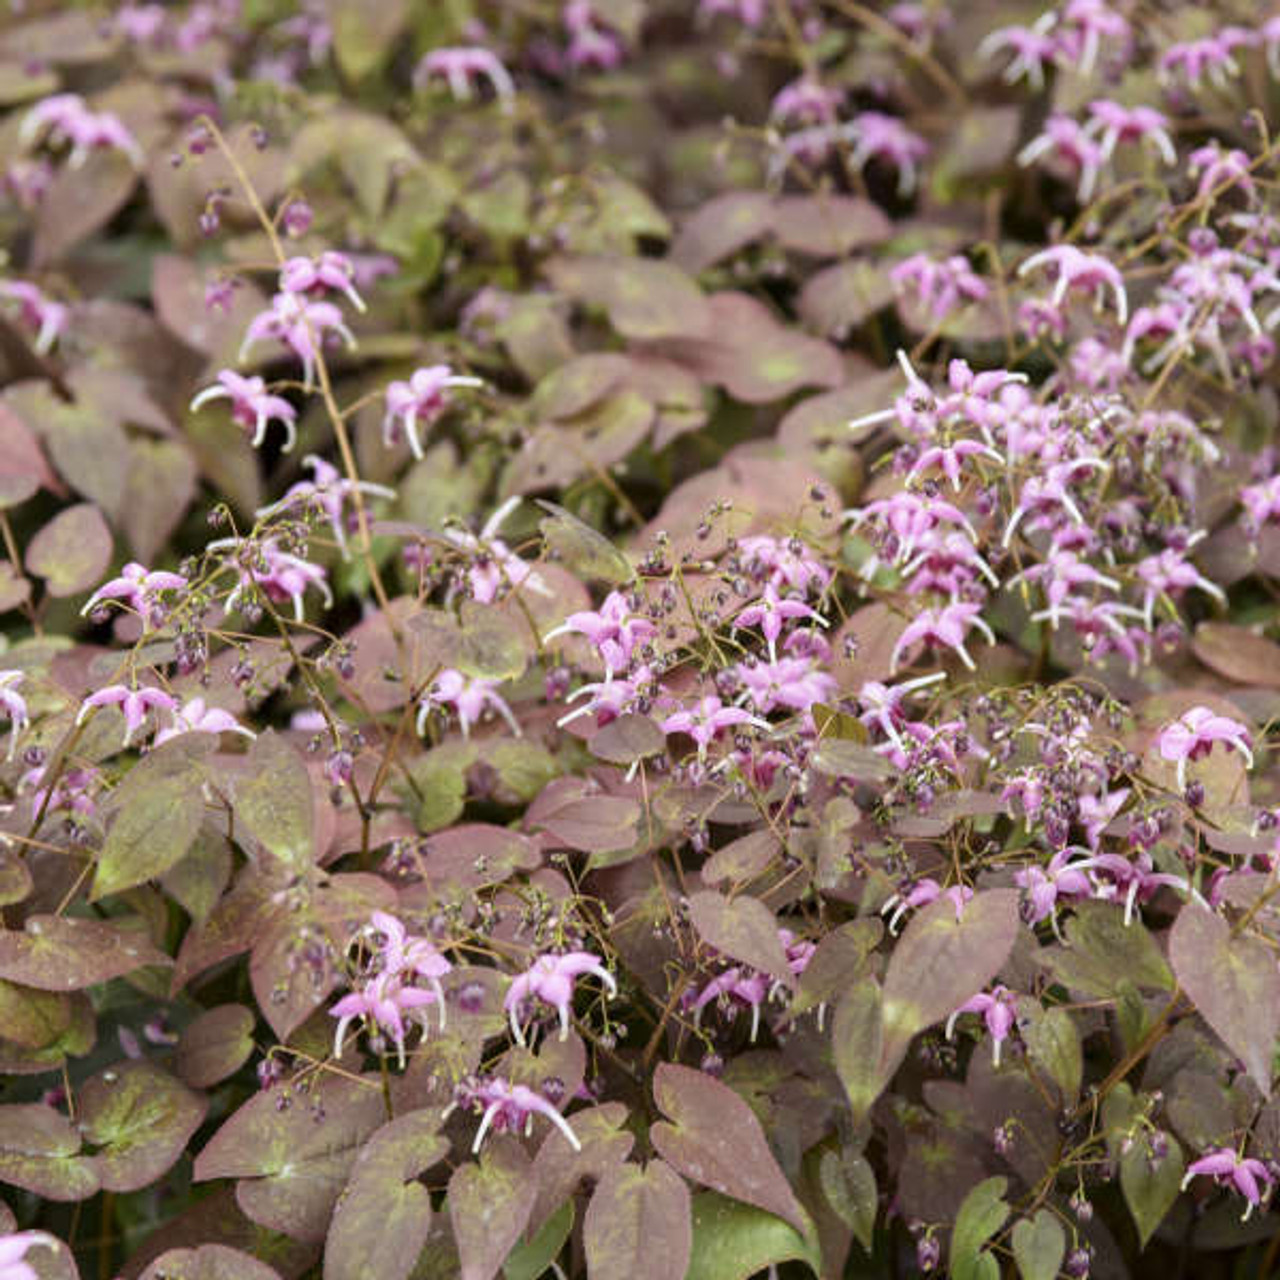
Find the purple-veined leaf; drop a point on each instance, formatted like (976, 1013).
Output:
(638, 1223)
(714, 1139)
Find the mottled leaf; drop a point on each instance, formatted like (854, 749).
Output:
(629, 738)
(1101, 950)
(644, 297)
(849, 1184)
(40, 1152)
(581, 549)
(216, 1045)
(1238, 654)
(743, 929)
(66, 953)
(1150, 1187)
(208, 1262)
(272, 798)
(490, 1201)
(579, 818)
(158, 490)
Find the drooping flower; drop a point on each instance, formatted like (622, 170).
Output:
(1230, 1169)
(508, 1108)
(252, 406)
(302, 325)
(196, 717)
(66, 118)
(385, 1000)
(613, 631)
(998, 1011)
(706, 720)
(550, 978)
(770, 612)
(139, 588)
(735, 987)
(13, 705)
(414, 405)
(40, 313)
(1193, 734)
(461, 66)
(328, 489)
(135, 703)
(278, 574)
(468, 696)
(948, 625)
(317, 276)
(1076, 269)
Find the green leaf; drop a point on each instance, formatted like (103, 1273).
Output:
(159, 808)
(981, 1215)
(383, 1218)
(31, 1018)
(489, 1205)
(1053, 1045)
(272, 799)
(530, 1260)
(734, 1241)
(1101, 950)
(849, 1183)
(716, 1140)
(638, 1223)
(141, 1119)
(1234, 983)
(1039, 1244)
(364, 35)
(581, 549)
(1150, 1192)
(857, 1038)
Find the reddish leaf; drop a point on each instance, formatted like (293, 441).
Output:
(384, 1216)
(208, 1262)
(715, 1140)
(828, 226)
(81, 200)
(66, 953)
(40, 1152)
(742, 928)
(216, 1045)
(489, 1204)
(272, 798)
(1238, 654)
(720, 228)
(1234, 983)
(639, 1223)
(23, 468)
(580, 818)
(72, 551)
(159, 488)
(558, 1168)
(644, 297)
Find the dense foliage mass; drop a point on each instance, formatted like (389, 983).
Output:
(640, 639)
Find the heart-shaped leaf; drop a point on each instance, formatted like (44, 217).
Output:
(489, 1204)
(638, 1223)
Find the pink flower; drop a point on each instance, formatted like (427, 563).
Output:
(329, 490)
(909, 517)
(794, 683)
(735, 986)
(877, 136)
(1193, 734)
(316, 276)
(613, 631)
(949, 458)
(941, 286)
(1137, 880)
(1085, 24)
(252, 406)
(610, 698)
(42, 314)
(1044, 886)
(13, 1251)
(1261, 501)
(135, 703)
(299, 324)
(13, 705)
(1220, 168)
(788, 562)
(1046, 496)
(770, 612)
(998, 1011)
(705, 721)
(469, 697)
(1076, 269)
(591, 44)
(550, 978)
(947, 626)
(493, 564)
(384, 1000)
(278, 574)
(1169, 574)
(139, 588)
(1212, 56)
(416, 404)
(883, 704)
(508, 1108)
(1067, 140)
(195, 717)
(1117, 123)
(921, 894)
(405, 956)
(1229, 1168)
(1033, 49)
(806, 102)
(64, 118)
(460, 66)
(1062, 572)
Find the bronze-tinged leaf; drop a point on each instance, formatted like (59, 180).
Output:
(645, 298)
(719, 228)
(293, 1150)
(23, 468)
(843, 296)
(216, 1045)
(31, 1018)
(158, 491)
(490, 1201)
(1234, 983)
(67, 953)
(743, 929)
(383, 1218)
(208, 1262)
(272, 798)
(629, 738)
(579, 817)
(715, 1139)
(139, 1119)
(639, 1223)
(72, 551)
(857, 1044)
(1238, 654)
(1100, 952)
(829, 226)
(940, 962)
(81, 200)
(40, 1152)
(558, 1168)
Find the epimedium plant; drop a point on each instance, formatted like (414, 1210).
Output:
(641, 640)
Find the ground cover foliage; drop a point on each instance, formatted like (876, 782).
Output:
(640, 639)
